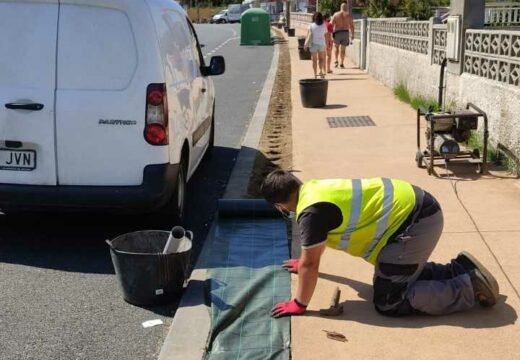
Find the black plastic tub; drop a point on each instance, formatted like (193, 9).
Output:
(301, 41)
(291, 32)
(146, 276)
(313, 92)
(304, 54)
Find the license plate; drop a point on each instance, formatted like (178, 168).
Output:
(17, 160)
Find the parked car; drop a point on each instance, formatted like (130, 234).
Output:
(220, 18)
(235, 11)
(107, 105)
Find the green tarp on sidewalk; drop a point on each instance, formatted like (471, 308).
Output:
(245, 280)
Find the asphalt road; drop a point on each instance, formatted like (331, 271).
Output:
(59, 297)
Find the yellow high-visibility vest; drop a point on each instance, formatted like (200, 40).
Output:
(372, 209)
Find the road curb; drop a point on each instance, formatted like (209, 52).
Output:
(187, 336)
(239, 179)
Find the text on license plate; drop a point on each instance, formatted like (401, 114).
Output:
(19, 160)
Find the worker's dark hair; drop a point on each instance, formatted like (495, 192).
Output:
(279, 185)
(326, 16)
(317, 18)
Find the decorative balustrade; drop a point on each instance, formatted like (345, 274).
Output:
(301, 19)
(439, 43)
(494, 55)
(410, 35)
(357, 29)
(500, 15)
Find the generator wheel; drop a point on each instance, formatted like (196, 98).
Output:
(419, 159)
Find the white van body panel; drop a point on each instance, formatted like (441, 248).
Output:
(234, 12)
(182, 63)
(27, 75)
(89, 62)
(107, 56)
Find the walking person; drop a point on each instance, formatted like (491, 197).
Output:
(316, 42)
(343, 31)
(329, 43)
(390, 223)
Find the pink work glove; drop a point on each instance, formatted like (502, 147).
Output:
(288, 308)
(293, 265)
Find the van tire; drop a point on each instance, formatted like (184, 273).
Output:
(179, 197)
(172, 212)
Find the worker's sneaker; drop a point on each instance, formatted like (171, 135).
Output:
(482, 289)
(469, 262)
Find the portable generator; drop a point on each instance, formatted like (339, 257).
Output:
(447, 134)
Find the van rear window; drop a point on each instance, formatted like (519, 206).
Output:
(96, 49)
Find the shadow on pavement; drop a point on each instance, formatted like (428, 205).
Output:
(500, 315)
(334, 106)
(75, 242)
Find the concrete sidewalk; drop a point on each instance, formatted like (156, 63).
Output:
(489, 228)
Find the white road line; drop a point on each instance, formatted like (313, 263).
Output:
(224, 43)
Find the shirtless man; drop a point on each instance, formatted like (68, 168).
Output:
(343, 26)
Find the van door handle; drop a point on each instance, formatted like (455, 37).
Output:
(203, 90)
(29, 106)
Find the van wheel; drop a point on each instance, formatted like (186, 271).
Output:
(172, 213)
(179, 198)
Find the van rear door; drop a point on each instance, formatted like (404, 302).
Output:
(27, 91)
(106, 60)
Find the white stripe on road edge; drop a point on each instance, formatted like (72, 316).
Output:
(221, 46)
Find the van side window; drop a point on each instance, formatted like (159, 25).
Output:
(195, 44)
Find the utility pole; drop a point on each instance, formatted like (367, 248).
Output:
(288, 14)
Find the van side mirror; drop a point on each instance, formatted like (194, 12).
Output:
(217, 66)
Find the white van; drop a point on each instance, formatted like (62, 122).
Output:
(234, 12)
(104, 104)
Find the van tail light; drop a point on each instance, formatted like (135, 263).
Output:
(156, 128)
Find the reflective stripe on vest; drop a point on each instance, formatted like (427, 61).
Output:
(355, 213)
(372, 210)
(382, 223)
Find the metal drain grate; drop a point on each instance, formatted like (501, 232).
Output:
(350, 121)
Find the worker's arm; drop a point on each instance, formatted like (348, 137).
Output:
(308, 271)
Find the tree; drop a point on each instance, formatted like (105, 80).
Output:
(382, 8)
(417, 9)
(329, 6)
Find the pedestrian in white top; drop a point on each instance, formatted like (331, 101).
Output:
(316, 42)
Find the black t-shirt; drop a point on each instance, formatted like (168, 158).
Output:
(316, 222)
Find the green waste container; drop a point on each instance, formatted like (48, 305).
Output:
(255, 27)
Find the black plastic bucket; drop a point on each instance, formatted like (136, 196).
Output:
(304, 54)
(146, 276)
(286, 29)
(301, 41)
(314, 92)
(291, 32)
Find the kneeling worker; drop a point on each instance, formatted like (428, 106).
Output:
(391, 224)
